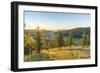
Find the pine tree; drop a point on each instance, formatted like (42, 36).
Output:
(70, 39)
(59, 39)
(38, 40)
(29, 43)
(66, 41)
(85, 41)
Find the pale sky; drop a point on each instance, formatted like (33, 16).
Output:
(55, 20)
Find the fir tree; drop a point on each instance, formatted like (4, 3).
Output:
(85, 41)
(70, 39)
(59, 39)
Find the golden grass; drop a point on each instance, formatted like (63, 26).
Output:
(65, 53)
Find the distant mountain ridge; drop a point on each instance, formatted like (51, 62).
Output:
(77, 32)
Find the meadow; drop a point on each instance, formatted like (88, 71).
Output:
(76, 52)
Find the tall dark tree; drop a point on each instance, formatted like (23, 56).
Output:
(38, 40)
(59, 39)
(70, 39)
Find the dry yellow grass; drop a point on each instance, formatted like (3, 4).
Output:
(66, 53)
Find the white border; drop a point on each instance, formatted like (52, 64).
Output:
(22, 64)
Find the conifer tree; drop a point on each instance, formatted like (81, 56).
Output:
(84, 39)
(29, 43)
(38, 40)
(59, 39)
(70, 39)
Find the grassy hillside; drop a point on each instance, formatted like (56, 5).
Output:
(65, 54)
(56, 45)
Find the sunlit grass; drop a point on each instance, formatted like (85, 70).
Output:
(66, 53)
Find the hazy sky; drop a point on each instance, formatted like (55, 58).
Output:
(55, 20)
